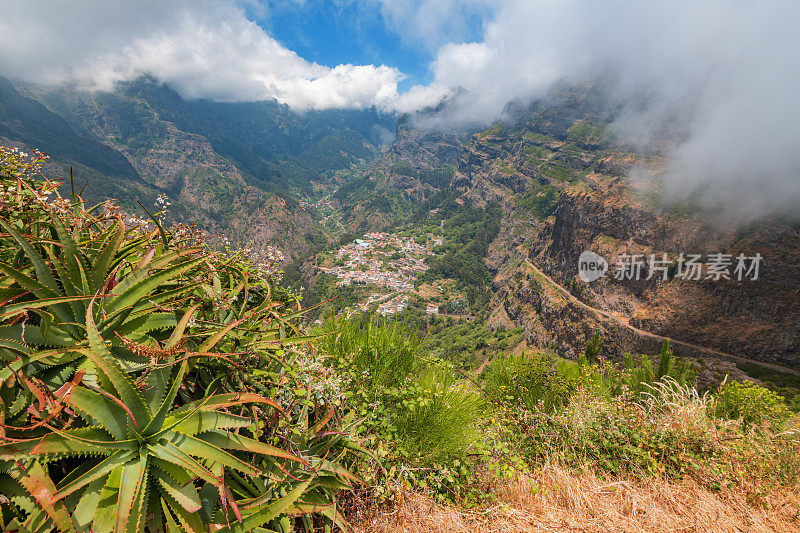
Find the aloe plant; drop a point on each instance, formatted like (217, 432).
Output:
(117, 408)
(151, 452)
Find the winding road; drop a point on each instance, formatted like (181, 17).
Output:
(623, 323)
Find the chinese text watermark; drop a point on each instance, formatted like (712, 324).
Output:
(691, 267)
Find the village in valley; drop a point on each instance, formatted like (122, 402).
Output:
(389, 262)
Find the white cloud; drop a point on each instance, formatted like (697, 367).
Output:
(726, 73)
(201, 48)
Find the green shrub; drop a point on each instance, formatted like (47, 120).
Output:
(416, 417)
(639, 377)
(404, 168)
(620, 436)
(753, 404)
(541, 201)
(441, 421)
(531, 379)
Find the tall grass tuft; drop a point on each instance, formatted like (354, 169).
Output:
(378, 354)
(443, 421)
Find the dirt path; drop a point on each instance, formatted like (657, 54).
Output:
(606, 314)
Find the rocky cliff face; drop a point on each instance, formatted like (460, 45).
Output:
(564, 189)
(427, 149)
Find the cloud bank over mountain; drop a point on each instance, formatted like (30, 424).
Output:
(719, 77)
(722, 74)
(203, 49)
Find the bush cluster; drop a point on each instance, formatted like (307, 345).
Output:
(434, 427)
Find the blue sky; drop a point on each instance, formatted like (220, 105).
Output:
(351, 31)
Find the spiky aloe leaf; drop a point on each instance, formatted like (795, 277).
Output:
(218, 401)
(142, 282)
(115, 460)
(146, 323)
(156, 386)
(38, 484)
(15, 345)
(177, 333)
(200, 448)
(339, 470)
(80, 441)
(71, 255)
(105, 513)
(214, 339)
(98, 407)
(12, 451)
(38, 289)
(127, 392)
(171, 453)
(157, 422)
(180, 475)
(66, 282)
(15, 309)
(266, 511)
(83, 515)
(20, 338)
(185, 495)
(189, 522)
(132, 495)
(202, 421)
(41, 267)
(102, 264)
(9, 369)
(232, 441)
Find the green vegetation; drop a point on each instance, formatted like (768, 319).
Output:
(324, 289)
(355, 191)
(424, 418)
(468, 342)
(536, 153)
(497, 129)
(638, 421)
(587, 134)
(541, 201)
(149, 382)
(404, 168)
(379, 354)
(539, 138)
(753, 404)
(532, 378)
(558, 172)
(416, 416)
(468, 231)
(787, 385)
(439, 177)
(505, 168)
(441, 423)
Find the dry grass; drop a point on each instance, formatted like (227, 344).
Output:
(556, 500)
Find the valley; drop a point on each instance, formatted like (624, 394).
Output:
(457, 221)
(421, 266)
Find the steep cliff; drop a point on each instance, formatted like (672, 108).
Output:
(566, 187)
